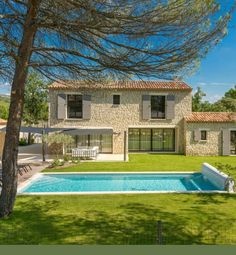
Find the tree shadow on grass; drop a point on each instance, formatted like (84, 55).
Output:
(215, 198)
(37, 221)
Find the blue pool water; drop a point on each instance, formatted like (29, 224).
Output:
(118, 182)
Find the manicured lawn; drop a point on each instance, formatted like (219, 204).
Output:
(126, 219)
(151, 162)
(121, 219)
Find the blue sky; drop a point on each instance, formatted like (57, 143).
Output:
(217, 72)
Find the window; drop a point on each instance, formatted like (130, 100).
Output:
(103, 141)
(156, 139)
(233, 142)
(116, 99)
(203, 135)
(158, 107)
(74, 106)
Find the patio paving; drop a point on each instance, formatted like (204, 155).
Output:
(32, 155)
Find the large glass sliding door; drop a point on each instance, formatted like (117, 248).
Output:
(134, 139)
(168, 139)
(156, 139)
(145, 139)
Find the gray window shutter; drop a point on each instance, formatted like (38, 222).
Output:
(197, 135)
(146, 107)
(61, 106)
(170, 107)
(86, 107)
(226, 142)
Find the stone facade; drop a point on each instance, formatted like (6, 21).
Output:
(214, 143)
(126, 115)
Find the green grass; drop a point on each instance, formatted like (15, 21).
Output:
(121, 219)
(126, 219)
(151, 162)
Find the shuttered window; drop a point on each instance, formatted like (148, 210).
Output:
(158, 107)
(61, 106)
(196, 135)
(86, 107)
(146, 107)
(225, 142)
(170, 107)
(74, 106)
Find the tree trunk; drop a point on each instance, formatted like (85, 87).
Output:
(9, 159)
(43, 145)
(29, 138)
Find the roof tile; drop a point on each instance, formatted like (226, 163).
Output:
(211, 117)
(119, 85)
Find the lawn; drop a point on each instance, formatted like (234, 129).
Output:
(126, 219)
(121, 219)
(151, 162)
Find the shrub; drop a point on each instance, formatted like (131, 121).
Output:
(23, 142)
(57, 162)
(76, 160)
(67, 157)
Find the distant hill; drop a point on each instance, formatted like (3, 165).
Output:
(4, 98)
(4, 106)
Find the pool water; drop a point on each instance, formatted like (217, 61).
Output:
(118, 182)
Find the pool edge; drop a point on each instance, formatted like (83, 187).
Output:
(27, 182)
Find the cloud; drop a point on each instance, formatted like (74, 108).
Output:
(213, 98)
(201, 83)
(4, 84)
(215, 84)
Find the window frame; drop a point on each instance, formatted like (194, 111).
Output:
(162, 149)
(113, 101)
(164, 116)
(67, 106)
(206, 135)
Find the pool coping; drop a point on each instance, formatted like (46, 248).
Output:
(27, 182)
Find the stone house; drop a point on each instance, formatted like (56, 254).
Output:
(139, 116)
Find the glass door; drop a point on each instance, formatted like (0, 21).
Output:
(145, 139)
(133, 139)
(233, 142)
(168, 140)
(106, 143)
(157, 140)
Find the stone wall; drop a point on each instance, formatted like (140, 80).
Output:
(213, 145)
(127, 114)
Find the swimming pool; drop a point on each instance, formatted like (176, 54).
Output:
(90, 183)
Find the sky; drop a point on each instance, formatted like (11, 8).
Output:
(217, 72)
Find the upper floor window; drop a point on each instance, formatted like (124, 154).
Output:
(158, 107)
(74, 106)
(116, 99)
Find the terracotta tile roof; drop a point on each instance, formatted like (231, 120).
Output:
(3, 122)
(211, 117)
(127, 85)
